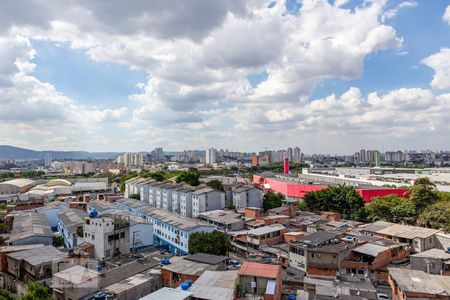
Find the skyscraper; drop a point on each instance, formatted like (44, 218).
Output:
(210, 157)
(48, 160)
(297, 155)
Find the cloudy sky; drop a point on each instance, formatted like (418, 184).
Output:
(329, 76)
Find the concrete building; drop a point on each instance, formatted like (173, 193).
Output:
(371, 259)
(185, 196)
(37, 264)
(140, 230)
(260, 279)
(166, 196)
(133, 287)
(16, 186)
(413, 284)
(433, 261)
(109, 235)
(265, 236)
(207, 199)
(246, 196)
(100, 207)
(70, 225)
(215, 285)
(144, 196)
(30, 228)
(181, 269)
(420, 239)
(177, 194)
(211, 156)
(224, 220)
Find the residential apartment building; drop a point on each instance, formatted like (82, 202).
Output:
(178, 193)
(246, 196)
(207, 199)
(109, 235)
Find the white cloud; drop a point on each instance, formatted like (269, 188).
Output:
(391, 13)
(446, 16)
(440, 62)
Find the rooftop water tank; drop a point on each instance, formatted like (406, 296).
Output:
(100, 296)
(292, 297)
(98, 267)
(185, 286)
(165, 261)
(93, 213)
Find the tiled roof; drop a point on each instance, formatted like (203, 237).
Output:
(259, 270)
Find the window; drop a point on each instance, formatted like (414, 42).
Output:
(93, 237)
(312, 255)
(122, 235)
(87, 222)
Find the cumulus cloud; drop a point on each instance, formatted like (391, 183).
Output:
(198, 55)
(440, 63)
(446, 16)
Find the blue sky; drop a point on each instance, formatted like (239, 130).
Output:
(226, 74)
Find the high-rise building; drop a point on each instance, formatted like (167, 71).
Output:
(297, 155)
(48, 160)
(290, 154)
(363, 155)
(211, 156)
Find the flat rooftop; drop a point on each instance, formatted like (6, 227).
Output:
(181, 265)
(215, 285)
(421, 282)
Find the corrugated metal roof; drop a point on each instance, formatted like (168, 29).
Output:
(370, 249)
(216, 285)
(266, 229)
(37, 256)
(168, 293)
(20, 182)
(421, 282)
(407, 232)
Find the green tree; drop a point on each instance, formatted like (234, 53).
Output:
(272, 200)
(5, 295)
(58, 241)
(135, 196)
(436, 215)
(343, 199)
(216, 184)
(189, 177)
(423, 193)
(391, 208)
(216, 242)
(37, 291)
(3, 228)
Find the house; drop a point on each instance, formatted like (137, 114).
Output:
(266, 235)
(339, 288)
(75, 283)
(5, 250)
(168, 293)
(224, 220)
(251, 213)
(220, 285)
(260, 279)
(109, 235)
(274, 219)
(70, 225)
(419, 238)
(246, 196)
(181, 269)
(414, 284)
(30, 228)
(133, 287)
(319, 253)
(433, 261)
(370, 260)
(210, 259)
(32, 265)
(207, 199)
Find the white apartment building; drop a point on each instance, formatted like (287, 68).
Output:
(153, 189)
(211, 156)
(179, 199)
(207, 199)
(247, 196)
(109, 236)
(166, 194)
(144, 194)
(133, 186)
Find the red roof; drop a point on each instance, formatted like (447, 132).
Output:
(259, 270)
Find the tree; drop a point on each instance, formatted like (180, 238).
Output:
(216, 184)
(37, 291)
(272, 200)
(135, 196)
(5, 295)
(423, 193)
(436, 215)
(189, 177)
(343, 199)
(392, 208)
(216, 242)
(3, 228)
(58, 241)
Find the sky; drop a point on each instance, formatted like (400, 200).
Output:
(330, 76)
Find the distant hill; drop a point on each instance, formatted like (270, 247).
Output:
(21, 153)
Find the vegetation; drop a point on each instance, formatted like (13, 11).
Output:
(6, 175)
(302, 206)
(423, 193)
(189, 177)
(392, 208)
(5, 295)
(272, 200)
(342, 199)
(3, 228)
(32, 173)
(216, 184)
(37, 291)
(426, 207)
(217, 243)
(58, 241)
(436, 215)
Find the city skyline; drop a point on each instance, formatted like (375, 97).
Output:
(256, 74)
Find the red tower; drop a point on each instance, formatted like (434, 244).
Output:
(286, 165)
